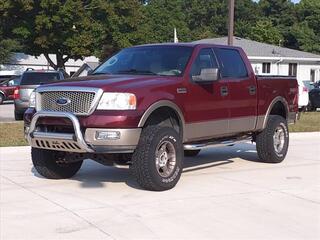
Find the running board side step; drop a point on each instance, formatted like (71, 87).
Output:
(198, 146)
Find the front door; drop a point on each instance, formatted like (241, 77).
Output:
(205, 103)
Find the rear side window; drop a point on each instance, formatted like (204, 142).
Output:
(231, 63)
(37, 78)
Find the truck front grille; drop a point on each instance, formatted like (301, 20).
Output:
(76, 102)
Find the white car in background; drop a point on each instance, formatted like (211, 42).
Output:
(303, 96)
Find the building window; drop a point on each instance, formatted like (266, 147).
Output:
(293, 69)
(266, 67)
(313, 75)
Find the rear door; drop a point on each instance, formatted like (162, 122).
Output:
(242, 90)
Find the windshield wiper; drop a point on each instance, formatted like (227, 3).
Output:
(136, 71)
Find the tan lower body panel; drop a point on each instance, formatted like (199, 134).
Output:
(219, 128)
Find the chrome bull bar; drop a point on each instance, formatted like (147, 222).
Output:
(70, 142)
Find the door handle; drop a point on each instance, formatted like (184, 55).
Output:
(224, 91)
(252, 90)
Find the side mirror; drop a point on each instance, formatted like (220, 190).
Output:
(207, 75)
(90, 72)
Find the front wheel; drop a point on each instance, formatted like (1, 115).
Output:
(53, 165)
(273, 141)
(158, 159)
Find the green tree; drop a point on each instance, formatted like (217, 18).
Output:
(264, 31)
(206, 18)
(7, 47)
(55, 27)
(161, 17)
(247, 13)
(121, 24)
(305, 34)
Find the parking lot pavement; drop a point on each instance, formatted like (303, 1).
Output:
(224, 193)
(7, 112)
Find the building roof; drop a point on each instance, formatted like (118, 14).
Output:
(258, 49)
(24, 59)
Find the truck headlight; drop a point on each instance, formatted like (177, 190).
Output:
(32, 100)
(117, 101)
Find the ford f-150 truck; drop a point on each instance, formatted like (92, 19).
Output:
(149, 106)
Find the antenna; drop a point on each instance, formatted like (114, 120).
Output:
(175, 36)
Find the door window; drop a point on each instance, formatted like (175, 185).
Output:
(204, 60)
(231, 63)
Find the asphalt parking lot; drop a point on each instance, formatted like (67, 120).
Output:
(224, 193)
(7, 112)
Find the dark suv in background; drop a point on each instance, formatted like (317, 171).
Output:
(29, 81)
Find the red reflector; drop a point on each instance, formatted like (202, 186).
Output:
(305, 89)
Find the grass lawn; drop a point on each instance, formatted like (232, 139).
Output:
(309, 122)
(11, 134)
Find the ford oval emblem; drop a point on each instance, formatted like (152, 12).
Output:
(63, 101)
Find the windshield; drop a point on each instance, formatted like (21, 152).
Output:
(155, 60)
(37, 78)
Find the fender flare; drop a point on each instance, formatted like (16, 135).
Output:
(159, 104)
(274, 102)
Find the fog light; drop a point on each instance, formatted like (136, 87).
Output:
(107, 135)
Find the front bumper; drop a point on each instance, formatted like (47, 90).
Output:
(81, 141)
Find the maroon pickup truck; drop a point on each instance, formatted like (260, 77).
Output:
(149, 106)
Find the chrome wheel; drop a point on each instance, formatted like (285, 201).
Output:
(279, 139)
(165, 159)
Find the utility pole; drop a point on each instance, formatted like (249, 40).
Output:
(231, 22)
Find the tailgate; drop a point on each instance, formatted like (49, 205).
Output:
(25, 91)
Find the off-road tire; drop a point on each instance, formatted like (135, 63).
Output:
(1, 98)
(18, 116)
(265, 142)
(191, 153)
(143, 166)
(45, 162)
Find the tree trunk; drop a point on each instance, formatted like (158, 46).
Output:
(60, 61)
(51, 63)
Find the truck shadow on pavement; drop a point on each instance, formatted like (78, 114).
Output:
(95, 175)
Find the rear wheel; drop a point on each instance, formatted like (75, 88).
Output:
(158, 159)
(53, 165)
(273, 141)
(191, 153)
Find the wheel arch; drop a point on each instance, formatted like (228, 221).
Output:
(164, 104)
(278, 106)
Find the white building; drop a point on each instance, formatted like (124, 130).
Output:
(20, 62)
(268, 59)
